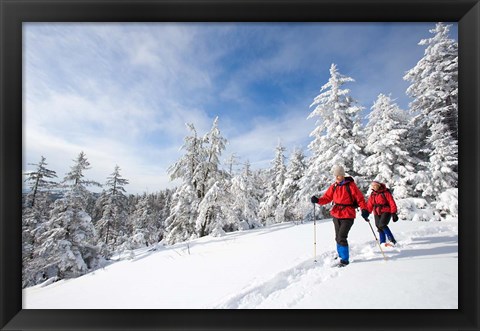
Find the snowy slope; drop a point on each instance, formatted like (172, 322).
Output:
(273, 267)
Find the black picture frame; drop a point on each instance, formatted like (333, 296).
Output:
(14, 12)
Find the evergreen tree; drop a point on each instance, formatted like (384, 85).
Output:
(245, 203)
(208, 170)
(389, 160)
(211, 178)
(211, 215)
(34, 215)
(272, 209)
(231, 163)
(39, 183)
(68, 243)
(291, 186)
(180, 225)
(199, 169)
(113, 221)
(336, 136)
(144, 226)
(434, 89)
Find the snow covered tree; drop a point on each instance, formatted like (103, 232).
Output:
(68, 243)
(208, 170)
(231, 162)
(180, 225)
(211, 179)
(34, 215)
(245, 200)
(113, 221)
(39, 182)
(434, 88)
(144, 227)
(199, 169)
(389, 160)
(272, 209)
(211, 214)
(291, 186)
(161, 205)
(336, 136)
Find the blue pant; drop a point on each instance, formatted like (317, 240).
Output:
(381, 221)
(343, 252)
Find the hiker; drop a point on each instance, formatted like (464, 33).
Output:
(383, 205)
(346, 197)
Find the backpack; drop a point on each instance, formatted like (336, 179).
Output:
(384, 198)
(354, 203)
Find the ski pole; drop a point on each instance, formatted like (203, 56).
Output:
(380, 246)
(314, 236)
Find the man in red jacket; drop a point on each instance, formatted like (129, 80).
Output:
(383, 206)
(346, 198)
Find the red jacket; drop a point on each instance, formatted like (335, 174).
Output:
(337, 192)
(381, 201)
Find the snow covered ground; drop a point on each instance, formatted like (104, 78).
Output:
(274, 267)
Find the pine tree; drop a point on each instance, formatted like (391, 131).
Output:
(34, 215)
(211, 178)
(389, 160)
(291, 186)
(272, 208)
(336, 136)
(434, 88)
(208, 170)
(211, 215)
(68, 244)
(231, 163)
(180, 225)
(199, 169)
(39, 182)
(114, 215)
(144, 226)
(245, 200)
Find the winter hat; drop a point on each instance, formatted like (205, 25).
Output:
(338, 170)
(377, 181)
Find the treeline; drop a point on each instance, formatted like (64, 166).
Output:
(68, 230)
(413, 151)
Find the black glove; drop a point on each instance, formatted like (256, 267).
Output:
(365, 214)
(394, 217)
(314, 199)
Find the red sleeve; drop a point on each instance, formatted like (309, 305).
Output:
(391, 202)
(327, 196)
(359, 196)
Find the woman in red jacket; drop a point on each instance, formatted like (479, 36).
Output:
(383, 205)
(346, 197)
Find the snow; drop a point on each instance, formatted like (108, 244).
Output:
(273, 267)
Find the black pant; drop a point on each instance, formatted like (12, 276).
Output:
(382, 221)
(342, 227)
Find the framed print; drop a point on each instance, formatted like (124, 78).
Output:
(19, 22)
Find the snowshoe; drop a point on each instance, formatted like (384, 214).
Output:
(387, 245)
(341, 264)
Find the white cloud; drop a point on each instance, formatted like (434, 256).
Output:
(122, 93)
(258, 145)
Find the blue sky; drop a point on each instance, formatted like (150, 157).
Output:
(122, 93)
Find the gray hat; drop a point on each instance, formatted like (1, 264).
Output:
(338, 170)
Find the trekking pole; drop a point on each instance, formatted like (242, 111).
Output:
(314, 236)
(380, 246)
